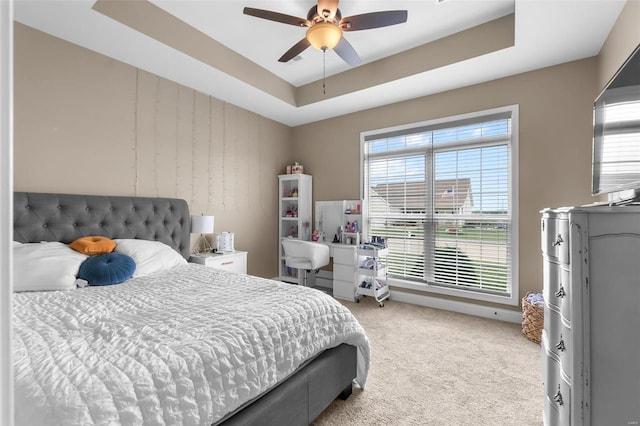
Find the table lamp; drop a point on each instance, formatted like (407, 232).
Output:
(202, 225)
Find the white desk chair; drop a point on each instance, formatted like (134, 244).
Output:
(305, 255)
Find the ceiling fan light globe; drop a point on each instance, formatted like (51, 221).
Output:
(324, 35)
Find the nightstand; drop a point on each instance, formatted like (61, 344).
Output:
(235, 261)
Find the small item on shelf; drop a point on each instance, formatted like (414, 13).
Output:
(381, 241)
(375, 284)
(376, 243)
(225, 241)
(295, 169)
(291, 272)
(292, 211)
(315, 235)
(353, 210)
(371, 263)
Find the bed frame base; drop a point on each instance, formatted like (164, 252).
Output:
(302, 397)
(346, 393)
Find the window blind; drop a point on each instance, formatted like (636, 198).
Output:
(441, 195)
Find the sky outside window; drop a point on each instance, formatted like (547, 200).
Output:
(486, 167)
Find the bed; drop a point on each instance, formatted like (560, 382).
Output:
(183, 345)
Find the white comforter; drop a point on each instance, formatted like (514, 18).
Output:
(180, 347)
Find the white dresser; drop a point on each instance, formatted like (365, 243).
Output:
(591, 337)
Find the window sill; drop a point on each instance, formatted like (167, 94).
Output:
(512, 300)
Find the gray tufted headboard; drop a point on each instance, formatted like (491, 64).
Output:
(66, 217)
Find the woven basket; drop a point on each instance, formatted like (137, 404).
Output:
(532, 320)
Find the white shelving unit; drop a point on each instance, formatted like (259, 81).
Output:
(351, 222)
(294, 218)
(372, 275)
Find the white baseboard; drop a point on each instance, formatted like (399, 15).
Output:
(455, 306)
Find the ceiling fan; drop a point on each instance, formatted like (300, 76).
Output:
(325, 27)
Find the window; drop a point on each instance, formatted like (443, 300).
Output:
(442, 194)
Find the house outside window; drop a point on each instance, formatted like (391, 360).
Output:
(443, 194)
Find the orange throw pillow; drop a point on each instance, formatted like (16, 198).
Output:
(93, 245)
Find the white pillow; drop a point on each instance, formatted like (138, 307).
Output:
(45, 266)
(150, 256)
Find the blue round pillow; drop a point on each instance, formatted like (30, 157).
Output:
(107, 269)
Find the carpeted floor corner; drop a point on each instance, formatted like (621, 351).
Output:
(434, 367)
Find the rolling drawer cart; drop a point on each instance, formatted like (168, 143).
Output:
(372, 274)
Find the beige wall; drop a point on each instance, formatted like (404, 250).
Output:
(88, 124)
(554, 142)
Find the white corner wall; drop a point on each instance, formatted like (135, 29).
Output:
(6, 203)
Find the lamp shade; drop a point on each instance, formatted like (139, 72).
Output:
(202, 224)
(324, 35)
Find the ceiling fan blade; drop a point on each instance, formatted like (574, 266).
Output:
(347, 52)
(297, 49)
(368, 21)
(277, 17)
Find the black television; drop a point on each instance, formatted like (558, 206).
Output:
(616, 135)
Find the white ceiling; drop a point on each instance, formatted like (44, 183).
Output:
(547, 32)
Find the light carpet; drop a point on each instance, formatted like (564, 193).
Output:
(434, 367)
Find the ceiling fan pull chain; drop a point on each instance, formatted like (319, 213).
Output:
(324, 70)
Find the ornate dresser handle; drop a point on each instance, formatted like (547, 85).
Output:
(560, 346)
(558, 396)
(560, 292)
(558, 241)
